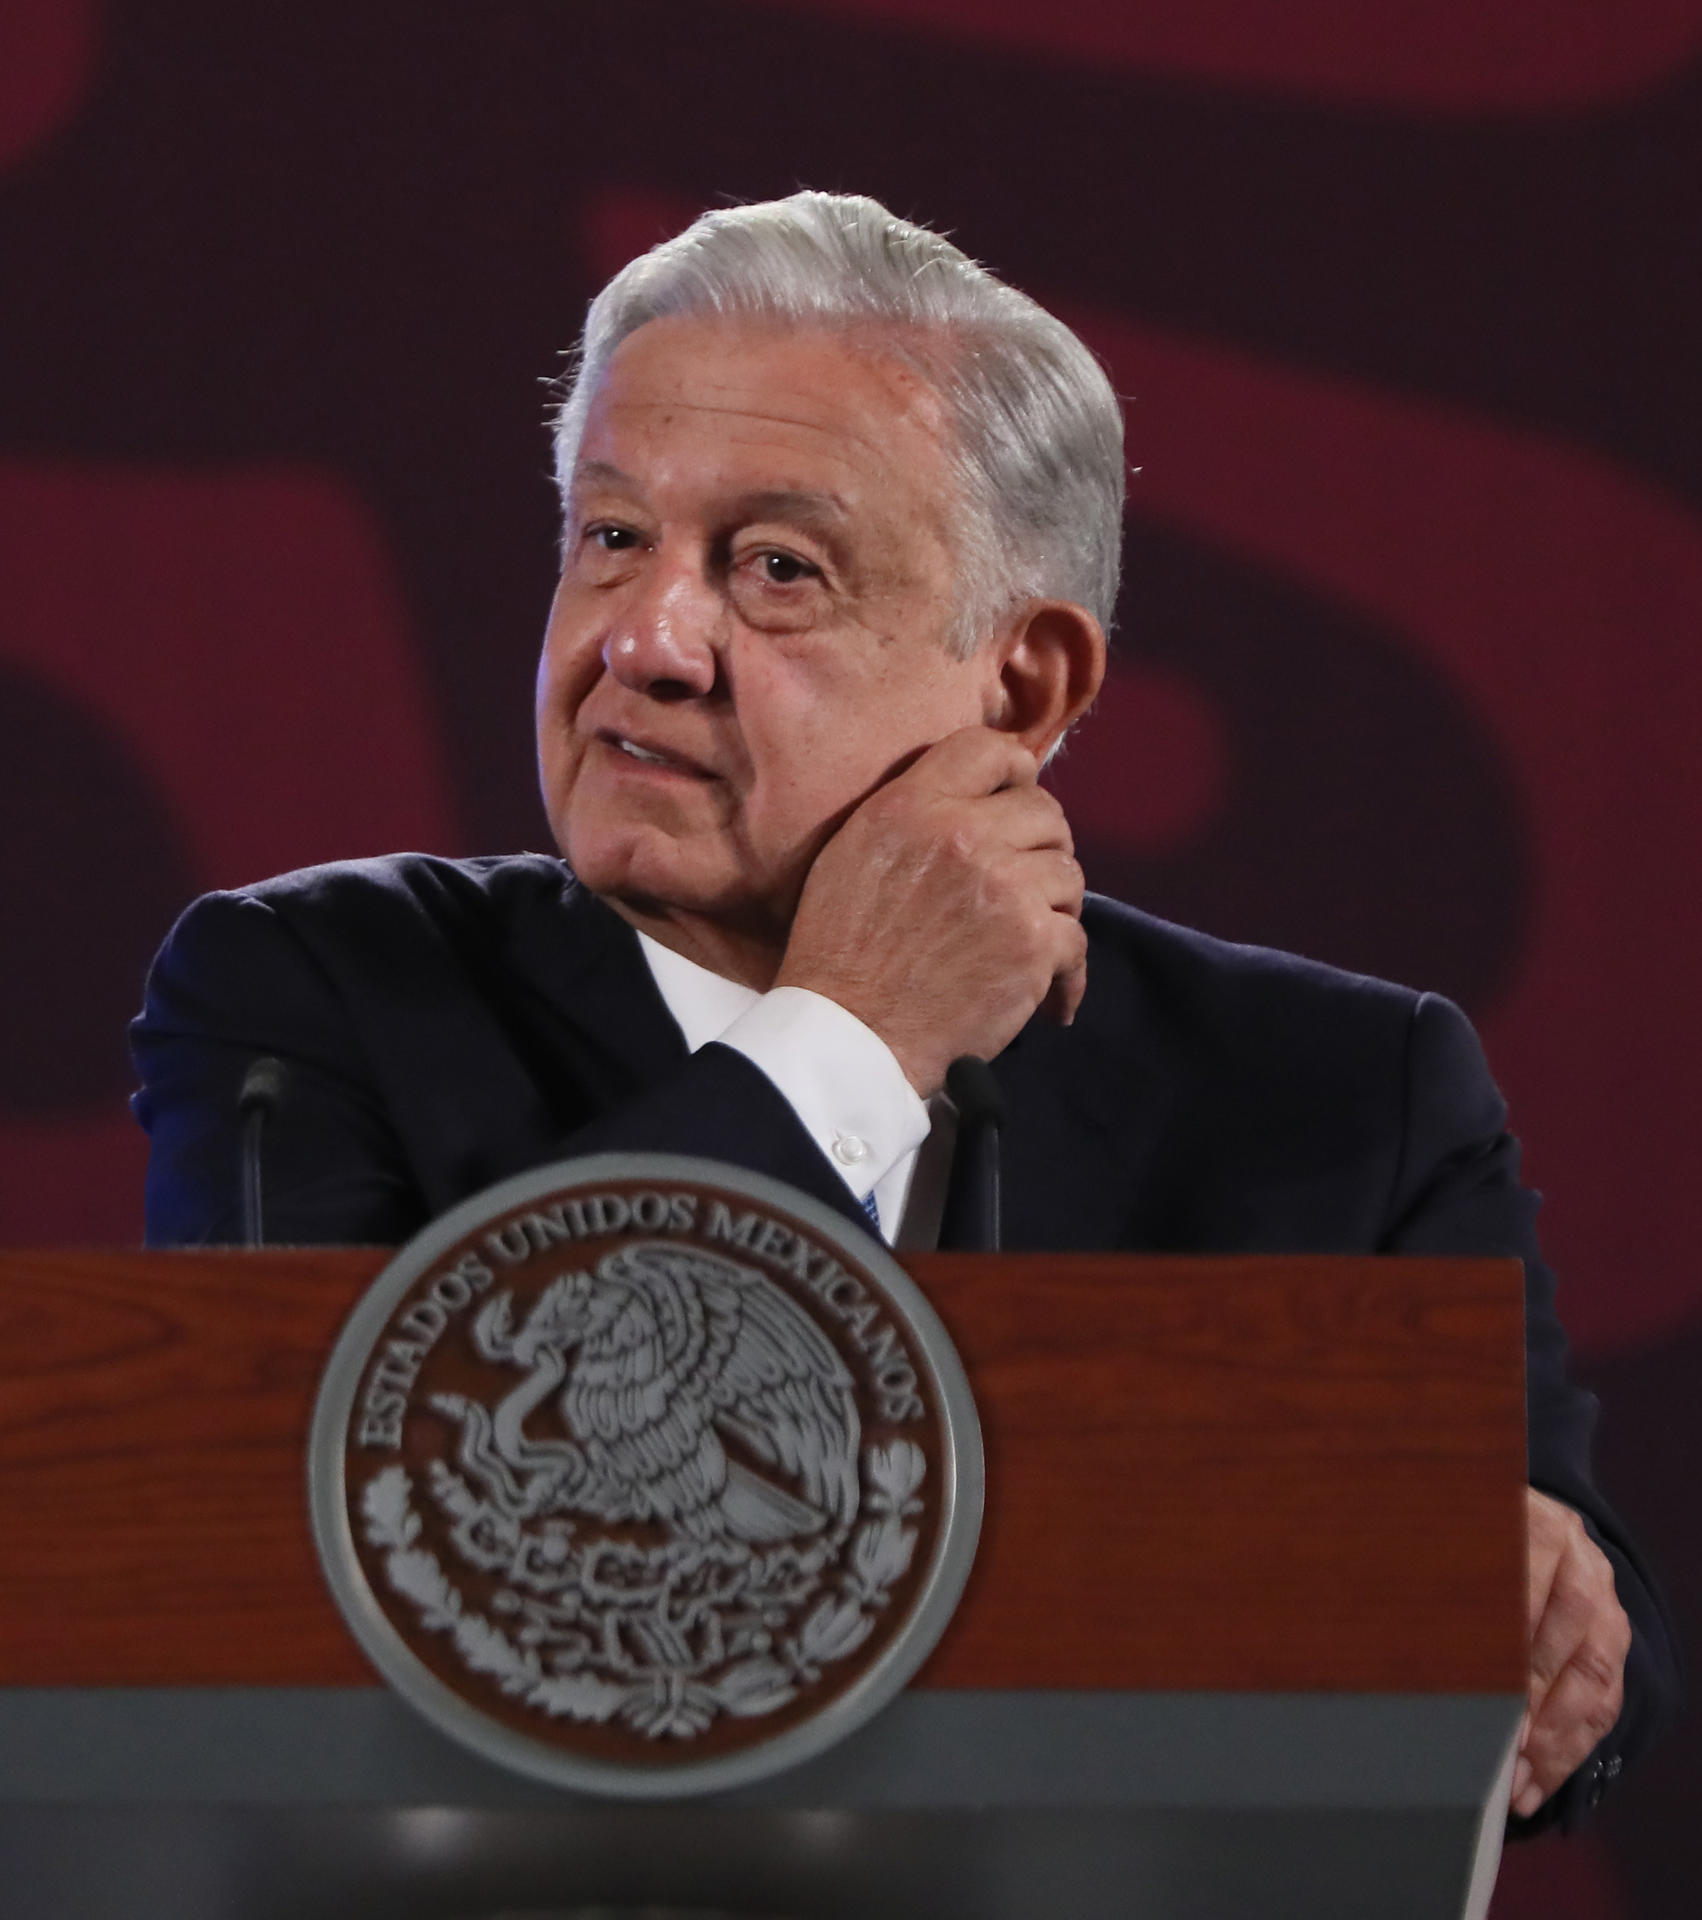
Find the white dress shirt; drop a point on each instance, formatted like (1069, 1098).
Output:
(838, 1076)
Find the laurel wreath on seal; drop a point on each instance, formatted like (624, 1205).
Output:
(662, 1639)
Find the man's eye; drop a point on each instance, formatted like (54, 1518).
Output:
(784, 569)
(612, 539)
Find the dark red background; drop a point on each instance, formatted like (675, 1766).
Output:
(1407, 303)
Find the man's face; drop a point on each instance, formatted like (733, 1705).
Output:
(750, 631)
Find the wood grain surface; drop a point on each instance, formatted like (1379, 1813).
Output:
(1248, 1474)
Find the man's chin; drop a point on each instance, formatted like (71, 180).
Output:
(717, 918)
(651, 882)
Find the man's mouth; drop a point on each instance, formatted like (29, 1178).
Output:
(649, 756)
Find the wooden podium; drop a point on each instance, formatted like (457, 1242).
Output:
(1244, 1634)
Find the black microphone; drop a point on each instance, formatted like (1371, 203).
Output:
(971, 1217)
(262, 1088)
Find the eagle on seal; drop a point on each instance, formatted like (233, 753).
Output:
(655, 1362)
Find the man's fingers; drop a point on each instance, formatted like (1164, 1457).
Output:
(1025, 817)
(1578, 1712)
(1579, 1639)
(1064, 996)
(1571, 1589)
(1567, 1615)
(973, 761)
(1547, 1543)
(1058, 878)
(1069, 978)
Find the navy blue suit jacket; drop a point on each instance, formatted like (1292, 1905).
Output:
(451, 1022)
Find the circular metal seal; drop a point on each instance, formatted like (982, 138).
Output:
(645, 1475)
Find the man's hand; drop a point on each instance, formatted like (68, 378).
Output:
(947, 908)
(1579, 1639)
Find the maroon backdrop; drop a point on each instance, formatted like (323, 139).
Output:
(1406, 303)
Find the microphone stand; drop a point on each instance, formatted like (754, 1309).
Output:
(970, 1220)
(262, 1089)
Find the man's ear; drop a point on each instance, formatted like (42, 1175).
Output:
(1051, 659)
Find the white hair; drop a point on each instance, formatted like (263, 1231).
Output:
(1039, 453)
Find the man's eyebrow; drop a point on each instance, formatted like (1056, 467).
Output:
(808, 506)
(818, 512)
(601, 473)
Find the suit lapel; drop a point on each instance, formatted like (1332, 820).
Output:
(1087, 1116)
(592, 992)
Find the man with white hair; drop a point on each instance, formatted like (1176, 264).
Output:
(842, 517)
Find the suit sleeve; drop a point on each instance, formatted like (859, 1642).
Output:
(359, 1152)
(1458, 1191)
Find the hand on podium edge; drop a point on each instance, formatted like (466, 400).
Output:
(1579, 1639)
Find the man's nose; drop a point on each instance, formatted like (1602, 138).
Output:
(663, 642)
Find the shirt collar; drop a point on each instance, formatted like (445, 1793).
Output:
(704, 1005)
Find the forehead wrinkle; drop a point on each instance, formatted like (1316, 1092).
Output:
(747, 495)
(836, 433)
(914, 395)
(881, 352)
(781, 494)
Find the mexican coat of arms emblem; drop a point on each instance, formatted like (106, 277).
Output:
(645, 1475)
